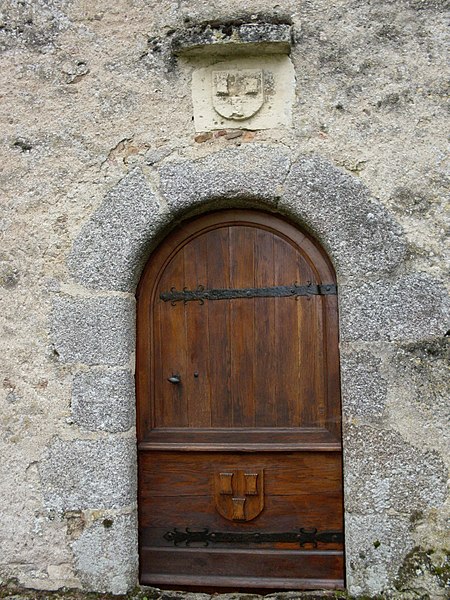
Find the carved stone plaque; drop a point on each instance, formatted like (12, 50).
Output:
(244, 93)
(237, 94)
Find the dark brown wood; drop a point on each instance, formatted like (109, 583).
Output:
(243, 439)
(238, 406)
(216, 565)
(240, 584)
(287, 473)
(281, 513)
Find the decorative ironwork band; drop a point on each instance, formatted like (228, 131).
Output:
(278, 291)
(298, 536)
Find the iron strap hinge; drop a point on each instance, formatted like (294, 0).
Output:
(278, 291)
(300, 536)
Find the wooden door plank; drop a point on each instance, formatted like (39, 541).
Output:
(310, 337)
(283, 564)
(265, 351)
(280, 513)
(232, 583)
(242, 327)
(218, 252)
(170, 351)
(244, 438)
(195, 381)
(192, 474)
(286, 326)
(331, 345)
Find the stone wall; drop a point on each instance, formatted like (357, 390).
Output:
(101, 159)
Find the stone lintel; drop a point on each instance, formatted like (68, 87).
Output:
(243, 39)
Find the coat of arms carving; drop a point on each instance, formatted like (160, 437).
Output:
(238, 94)
(239, 494)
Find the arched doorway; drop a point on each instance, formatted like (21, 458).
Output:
(240, 476)
(381, 304)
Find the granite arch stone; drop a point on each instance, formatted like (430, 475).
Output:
(249, 173)
(108, 252)
(360, 235)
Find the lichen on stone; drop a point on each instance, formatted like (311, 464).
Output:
(425, 569)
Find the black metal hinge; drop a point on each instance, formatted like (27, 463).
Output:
(298, 536)
(278, 291)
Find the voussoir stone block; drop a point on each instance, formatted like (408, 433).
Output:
(89, 474)
(112, 246)
(249, 172)
(104, 401)
(385, 473)
(106, 557)
(93, 331)
(412, 307)
(360, 235)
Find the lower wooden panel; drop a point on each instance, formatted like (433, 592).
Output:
(271, 569)
(235, 583)
(180, 492)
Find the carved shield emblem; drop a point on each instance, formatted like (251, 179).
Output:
(239, 494)
(238, 94)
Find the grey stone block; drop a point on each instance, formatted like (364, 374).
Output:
(360, 235)
(104, 401)
(106, 558)
(412, 307)
(420, 371)
(114, 244)
(364, 389)
(94, 474)
(156, 594)
(93, 331)
(246, 173)
(375, 549)
(385, 473)
(248, 38)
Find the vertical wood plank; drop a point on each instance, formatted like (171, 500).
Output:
(196, 385)
(286, 342)
(307, 362)
(265, 351)
(170, 399)
(218, 250)
(318, 348)
(242, 326)
(309, 336)
(332, 389)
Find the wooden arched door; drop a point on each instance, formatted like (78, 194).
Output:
(240, 476)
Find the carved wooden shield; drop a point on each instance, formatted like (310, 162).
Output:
(238, 94)
(239, 494)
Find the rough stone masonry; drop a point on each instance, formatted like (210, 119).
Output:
(101, 158)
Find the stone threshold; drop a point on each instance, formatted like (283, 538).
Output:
(11, 592)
